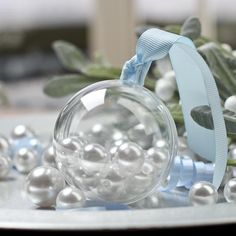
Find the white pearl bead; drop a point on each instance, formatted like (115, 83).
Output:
(25, 160)
(157, 157)
(170, 76)
(164, 89)
(138, 134)
(94, 158)
(43, 184)
(70, 198)
(5, 166)
(160, 143)
(4, 145)
(234, 53)
(72, 144)
(21, 131)
(230, 191)
(203, 193)
(98, 134)
(48, 157)
(130, 158)
(226, 47)
(230, 103)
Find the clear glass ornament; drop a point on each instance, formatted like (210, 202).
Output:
(117, 127)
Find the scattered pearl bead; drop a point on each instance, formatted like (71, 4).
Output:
(230, 190)
(43, 184)
(138, 134)
(70, 198)
(21, 131)
(226, 47)
(130, 158)
(170, 76)
(203, 193)
(164, 89)
(4, 145)
(234, 53)
(230, 103)
(5, 166)
(48, 157)
(25, 160)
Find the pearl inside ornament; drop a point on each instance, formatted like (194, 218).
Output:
(25, 160)
(5, 166)
(130, 158)
(120, 123)
(230, 190)
(70, 198)
(230, 103)
(43, 184)
(203, 193)
(48, 157)
(138, 135)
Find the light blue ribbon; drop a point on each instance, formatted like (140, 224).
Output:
(196, 87)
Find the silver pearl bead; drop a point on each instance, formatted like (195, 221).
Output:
(4, 145)
(70, 198)
(98, 134)
(161, 144)
(94, 158)
(130, 158)
(48, 157)
(5, 166)
(158, 157)
(72, 143)
(21, 131)
(138, 135)
(43, 184)
(25, 160)
(230, 103)
(203, 193)
(230, 190)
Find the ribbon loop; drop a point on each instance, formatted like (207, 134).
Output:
(196, 88)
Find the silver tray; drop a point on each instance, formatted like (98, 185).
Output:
(16, 212)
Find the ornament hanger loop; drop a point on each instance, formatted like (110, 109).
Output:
(196, 88)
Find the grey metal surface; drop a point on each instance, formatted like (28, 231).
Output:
(16, 212)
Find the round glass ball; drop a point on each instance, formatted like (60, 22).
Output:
(105, 141)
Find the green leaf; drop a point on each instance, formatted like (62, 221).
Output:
(102, 72)
(191, 28)
(203, 116)
(71, 57)
(231, 162)
(176, 112)
(173, 29)
(60, 86)
(224, 75)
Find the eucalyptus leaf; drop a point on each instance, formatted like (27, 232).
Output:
(176, 112)
(215, 58)
(60, 86)
(71, 57)
(203, 116)
(103, 72)
(191, 28)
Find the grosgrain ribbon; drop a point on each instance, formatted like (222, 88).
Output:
(196, 87)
